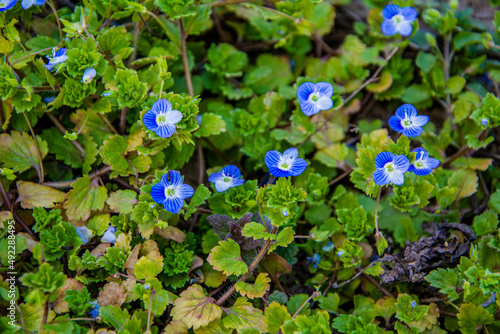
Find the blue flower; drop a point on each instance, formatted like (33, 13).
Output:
(88, 75)
(315, 97)
(484, 122)
(390, 168)
(286, 164)
(171, 192)
(284, 212)
(329, 247)
(413, 304)
(227, 178)
(28, 3)
(109, 236)
(95, 311)
(423, 164)
(84, 233)
(58, 57)
(162, 119)
(146, 286)
(407, 122)
(340, 253)
(398, 20)
(314, 260)
(6, 4)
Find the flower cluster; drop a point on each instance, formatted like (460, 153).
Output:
(390, 168)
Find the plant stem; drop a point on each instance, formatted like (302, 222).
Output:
(171, 34)
(315, 294)
(185, 60)
(67, 184)
(62, 130)
(149, 310)
(29, 56)
(39, 154)
(222, 3)
(106, 121)
(463, 150)
(253, 265)
(376, 211)
(51, 5)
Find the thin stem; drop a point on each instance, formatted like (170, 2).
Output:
(376, 211)
(201, 163)
(222, 3)
(39, 154)
(30, 55)
(71, 319)
(149, 310)
(11, 208)
(108, 124)
(262, 218)
(187, 73)
(63, 130)
(315, 294)
(337, 286)
(340, 177)
(253, 265)
(463, 150)
(172, 36)
(51, 5)
(204, 211)
(377, 284)
(415, 181)
(123, 120)
(67, 184)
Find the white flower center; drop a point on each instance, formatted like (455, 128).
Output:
(389, 167)
(419, 164)
(285, 163)
(406, 122)
(161, 119)
(169, 191)
(397, 19)
(314, 97)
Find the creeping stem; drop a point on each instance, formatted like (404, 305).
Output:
(39, 154)
(376, 212)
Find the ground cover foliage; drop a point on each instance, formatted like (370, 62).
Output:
(249, 167)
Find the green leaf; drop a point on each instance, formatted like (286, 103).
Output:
(99, 223)
(255, 290)
(194, 308)
(406, 312)
(446, 280)
(485, 223)
(472, 316)
(426, 61)
(19, 152)
(84, 197)
(455, 84)
(489, 109)
(211, 124)
(257, 231)
(466, 180)
(330, 302)
(445, 196)
(415, 94)
(465, 38)
(284, 238)
(33, 195)
(243, 315)
(112, 152)
(227, 258)
(46, 279)
(122, 201)
(358, 224)
(276, 316)
(200, 195)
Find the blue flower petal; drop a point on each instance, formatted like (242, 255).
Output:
(165, 130)
(8, 4)
(406, 110)
(405, 28)
(94, 313)
(238, 182)
(275, 171)
(39, 2)
(149, 120)
(298, 167)
(173, 204)
(60, 52)
(291, 153)
(420, 120)
(397, 177)
(421, 171)
(413, 131)
(390, 10)
(395, 123)
(172, 178)
(388, 28)
(324, 103)
(184, 191)
(26, 3)
(421, 153)
(402, 163)
(272, 159)
(382, 158)
(409, 14)
(214, 177)
(325, 89)
(309, 108)
(158, 193)
(380, 177)
(173, 116)
(433, 163)
(109, 236)
(305, 90)
(232, 170)
(162, 106)
(222, 186)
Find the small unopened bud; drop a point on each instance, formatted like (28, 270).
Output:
(484, 122)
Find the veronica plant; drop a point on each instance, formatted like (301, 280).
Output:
(315, 97)
(286, 164)
(171, 192)
(398, 20)
(407, 121)
(162, 118)
(228, 177)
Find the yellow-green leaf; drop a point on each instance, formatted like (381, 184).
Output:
(32, 195)
(256, 290)
(227, 258)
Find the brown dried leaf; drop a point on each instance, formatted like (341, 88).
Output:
(132, 259)
(112, 294)
(61, 306)
(100, 250)
(171, 232)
